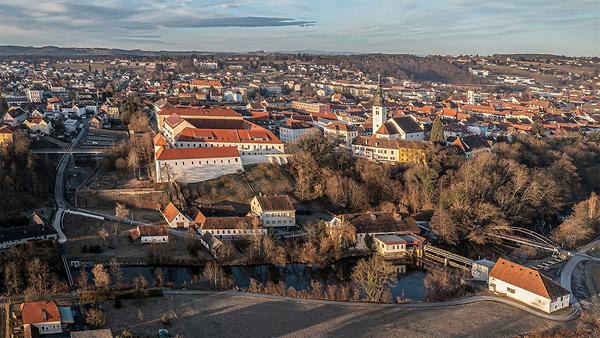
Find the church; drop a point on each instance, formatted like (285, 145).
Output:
(399, 139)
(396, 128)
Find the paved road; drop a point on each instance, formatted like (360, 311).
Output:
(577, 257)
(59, 184)
(428, 305)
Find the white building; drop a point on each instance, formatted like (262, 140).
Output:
(293, 130)
(151, 234)
(346, 133)
(43, 316)
(190, 165)
(527, 286)
(393, 245)
(274, 210)
(175, 218)
(480, 270)
(400, 128)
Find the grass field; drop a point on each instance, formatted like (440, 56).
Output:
(263, 178)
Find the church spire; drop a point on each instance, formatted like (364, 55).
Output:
(378, 99)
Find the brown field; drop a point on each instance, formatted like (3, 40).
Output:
(236, 316)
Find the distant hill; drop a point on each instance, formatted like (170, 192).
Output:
(406, 66)
(53, 51)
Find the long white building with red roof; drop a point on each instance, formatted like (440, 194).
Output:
(189, 165)
(197, 144)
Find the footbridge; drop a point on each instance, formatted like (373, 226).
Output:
(522, 236)
(446, 257)
(91, 151)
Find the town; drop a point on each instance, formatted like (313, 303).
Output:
(136, 185)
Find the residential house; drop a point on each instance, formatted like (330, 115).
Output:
(397, 151)
(38, 124)
(293, 130)
(367, 225)
(471, 145)
(42, 316)
(346, 133)
(151, 233)
(15, 116)
(392, 245)
(6, 136)
(274, 210)
(175, 218)
(527, 286)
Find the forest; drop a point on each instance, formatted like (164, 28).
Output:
(404, 66)
(26, 179)
(547, 185)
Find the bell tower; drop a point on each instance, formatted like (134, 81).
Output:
(379, 111)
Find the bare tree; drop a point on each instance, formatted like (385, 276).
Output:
(121, 210)
(94, 317)
(101, 277)
(116, 271)
(373, 277)
(159, 277)
(38, 276)
(13, 281)
(83, 278)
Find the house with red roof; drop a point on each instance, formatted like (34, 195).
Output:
(42, 316)
(527, 286)
(175, 218)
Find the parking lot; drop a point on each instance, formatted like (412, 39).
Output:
(102, 139)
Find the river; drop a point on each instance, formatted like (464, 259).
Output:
(409, 281)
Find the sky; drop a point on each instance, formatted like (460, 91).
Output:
(567, 27)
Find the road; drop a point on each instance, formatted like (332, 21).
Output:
(577, 257)
(59, 184)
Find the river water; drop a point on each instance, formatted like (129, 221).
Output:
(409, 281)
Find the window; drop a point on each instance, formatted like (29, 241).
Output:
(510, 290)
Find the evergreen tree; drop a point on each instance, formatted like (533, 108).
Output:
(437, 131)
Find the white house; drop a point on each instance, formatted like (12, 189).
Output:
(151, 234)
(369, 224)
(346, 133)
(393, 245)
(274, 210)
(43, 316)
(175, 218)
(527, 286)
(293, 130)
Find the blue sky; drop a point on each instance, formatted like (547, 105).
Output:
(570, 27)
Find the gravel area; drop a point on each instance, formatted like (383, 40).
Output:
(233, 316)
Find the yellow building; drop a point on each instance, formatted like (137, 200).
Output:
(6, 136)
(397, 151)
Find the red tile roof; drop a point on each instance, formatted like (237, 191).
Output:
(527, 279)
(170, 212)
(199, 112)
(39, 312)
(193, 153)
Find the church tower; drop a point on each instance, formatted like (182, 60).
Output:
(379, 110)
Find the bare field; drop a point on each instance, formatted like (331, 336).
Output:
(83, 231)
(233, 316)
